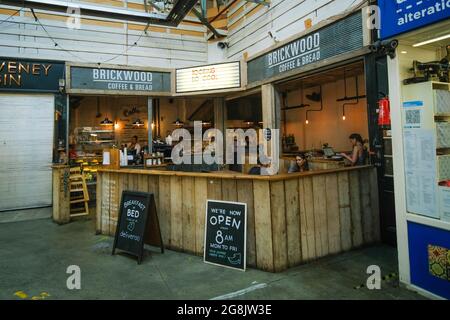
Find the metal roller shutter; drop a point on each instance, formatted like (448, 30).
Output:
(26, 147)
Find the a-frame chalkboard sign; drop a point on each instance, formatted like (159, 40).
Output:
(138, 224)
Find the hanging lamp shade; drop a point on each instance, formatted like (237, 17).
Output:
(106, 122)
(178, 122)
(138, 123)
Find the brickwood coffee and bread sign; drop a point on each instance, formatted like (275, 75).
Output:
(30, 75)
(341, 37)
(100, 80)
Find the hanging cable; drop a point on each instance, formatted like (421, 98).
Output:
(78, 57)
(12, 15)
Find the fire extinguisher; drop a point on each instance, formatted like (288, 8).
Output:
(384, 112)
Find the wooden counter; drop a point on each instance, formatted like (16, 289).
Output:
(292, 218)
(61, 193)
(314, 163)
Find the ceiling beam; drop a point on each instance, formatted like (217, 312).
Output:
(173, 19)
(206, 23)
(262, 2)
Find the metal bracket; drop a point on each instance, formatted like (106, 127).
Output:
(206, 23)
(153, 5)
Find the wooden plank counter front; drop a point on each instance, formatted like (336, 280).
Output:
(292, 218)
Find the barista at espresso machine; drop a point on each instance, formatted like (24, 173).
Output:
(133, 151)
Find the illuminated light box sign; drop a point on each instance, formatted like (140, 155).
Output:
(125, 80)
(30, 75)
(405, 15)
(210, 77)
(341, 37)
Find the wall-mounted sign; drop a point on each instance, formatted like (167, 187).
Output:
(225, 234)
(211, 77)
(340, 37)
(101, 80)
(30, 75)
(400, 16)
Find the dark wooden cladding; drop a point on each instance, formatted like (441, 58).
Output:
(290, 221)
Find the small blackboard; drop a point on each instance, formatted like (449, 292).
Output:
(136, 216)
(226, 234)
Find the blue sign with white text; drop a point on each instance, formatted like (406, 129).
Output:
(399, 16)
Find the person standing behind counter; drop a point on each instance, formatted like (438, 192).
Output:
(359, 153)
(134, 145)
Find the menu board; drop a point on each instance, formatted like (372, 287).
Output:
(420, 172)
(132, 223)
(225, 234)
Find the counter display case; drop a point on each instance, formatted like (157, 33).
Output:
(87, 145)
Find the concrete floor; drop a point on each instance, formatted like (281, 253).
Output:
(34, 256)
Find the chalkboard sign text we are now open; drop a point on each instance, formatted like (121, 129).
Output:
(226, 234)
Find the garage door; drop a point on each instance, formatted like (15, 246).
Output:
(26, 147)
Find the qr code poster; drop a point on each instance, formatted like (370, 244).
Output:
(413, 118)
(413, 114)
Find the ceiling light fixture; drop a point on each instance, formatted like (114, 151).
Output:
(178, 123)
(431, 41)
(106, 122)
(138, 123)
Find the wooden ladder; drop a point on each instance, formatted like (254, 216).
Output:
(78, 193)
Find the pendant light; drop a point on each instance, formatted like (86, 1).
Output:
(106, 122)
(138, 123)
(178, 122)
(315, 110)
(346, 98)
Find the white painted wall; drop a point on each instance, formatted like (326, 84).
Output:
(285, 18)
(333, 130)
(22, 36)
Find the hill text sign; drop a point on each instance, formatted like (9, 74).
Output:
(30, 75)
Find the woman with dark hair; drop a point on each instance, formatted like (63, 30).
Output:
(300, 164)
(359, 153)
